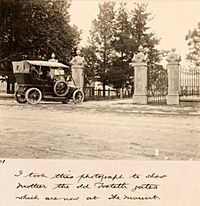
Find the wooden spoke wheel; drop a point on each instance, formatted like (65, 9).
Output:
(61, 88)
(78, 96)
(33, 95)
(20, 98)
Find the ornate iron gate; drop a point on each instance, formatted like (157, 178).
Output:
(157, 85)
(190, 82)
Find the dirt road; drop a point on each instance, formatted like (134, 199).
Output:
(99, 130)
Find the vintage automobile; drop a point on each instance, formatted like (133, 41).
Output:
(44, 80)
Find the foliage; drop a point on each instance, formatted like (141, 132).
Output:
(193, 39)
(120, 74)
(33, 29)
(116, 36)
(122, 41)
(101, 36)
(90, 67)
(141, 34)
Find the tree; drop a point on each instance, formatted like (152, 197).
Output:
(193, 40)
(91, 63)
(122, 31)
(141, 34)
(101, 37)
(33, 29)
(116, 36)
(120, 73)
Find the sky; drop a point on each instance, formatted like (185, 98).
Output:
(172, 20)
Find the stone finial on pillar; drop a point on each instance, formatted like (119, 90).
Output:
(140, 83)
(78, 62)
(173, 60)
(173, 57)
(140, 57)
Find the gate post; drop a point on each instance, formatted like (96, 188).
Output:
(140, 82)
(173, 60)
(78, 64)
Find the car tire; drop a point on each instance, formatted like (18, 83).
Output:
(61, 88)
(78, 96)
(33, 95)
(20, 98)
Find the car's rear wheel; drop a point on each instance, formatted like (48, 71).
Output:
(61, 88)
(78, 96)
(33, 95)
(20, 98)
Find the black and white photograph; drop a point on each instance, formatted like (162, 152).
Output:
(100, 81)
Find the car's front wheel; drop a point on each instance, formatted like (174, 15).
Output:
(78, 96)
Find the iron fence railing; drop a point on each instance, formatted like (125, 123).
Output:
(189, 82)
(95, 94)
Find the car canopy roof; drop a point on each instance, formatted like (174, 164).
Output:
(46, 63)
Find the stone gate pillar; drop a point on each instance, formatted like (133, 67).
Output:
(78, 64)
(173, 60)
(140, 82)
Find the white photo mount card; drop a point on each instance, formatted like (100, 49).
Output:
(88, 182)
(139, 145)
